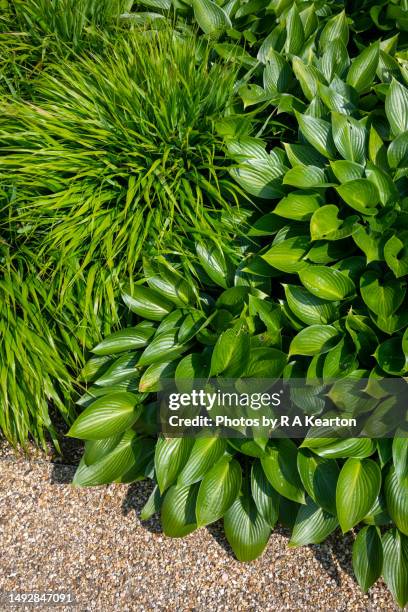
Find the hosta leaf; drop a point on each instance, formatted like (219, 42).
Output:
(246, 530)
(350, 138)
(336, 100)
(335, 28)
(163, 348)
(335, 60)
(151, 377)
(287, 256)
(390, 357)
(326, 283)
(367, 557)
(319, 477)
(396, 495)
(193, 322)
(357, 489)
(396, 107)
(147, 303)
(396, 255)
(400, 456)
(280, 467)
(191, 367)
(112, 465)
(122, 368)
(308, 77)
(376, 149)
(294, 31)
(277, 74)
(325, 224)
(265, 362)
(312, 525)
(126, 339)
(178, 511)
(340, 361)
(303, 155)
(360, 194)
(170, 457)
(345, 170)
(169, 283)
(383, 297)
(230, 353)
(309, 308)
(305, 177)
(385, 186)
(318, 133)
(97, 449)
(204, 454)
(211, 18)
(218, 491)
(371, 243)
(260, 178)
(378, 514)
(395, 565)
(298, 206)
(107, 416)
(397, 153)
(265, 497)
(314, 340)
(214, 263)
(341, 449)
(252, 93)
(362, 70)
(152, 506)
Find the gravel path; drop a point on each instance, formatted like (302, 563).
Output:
(90, 542)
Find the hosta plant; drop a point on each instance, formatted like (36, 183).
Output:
(233, 323)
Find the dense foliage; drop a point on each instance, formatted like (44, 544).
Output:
(256, 154)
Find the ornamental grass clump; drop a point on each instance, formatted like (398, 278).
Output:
(116, 152)
(318, 294)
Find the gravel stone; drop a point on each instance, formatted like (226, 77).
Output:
(90, 542)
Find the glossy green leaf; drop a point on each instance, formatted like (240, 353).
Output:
(147, 303)
(318, 133)
(350, 138)
(312, 525)
(367, 557)
(280, 467)
(309, 308)
(383, 297)
(287, 255)
(362, 70)
(319, 477)
(326, 283)
(211, 18)
(246, 530)
(396, 107)
(357, 488)
(112, 465)
(170, 457)
(125, 339)
(218, 491)
(107, 416)
(298, 206)
(265, 497)
(229, 353)
(395, 565)
(396, 495)
(204, 454)
(314, 340)
(178, 510)
(360, 194)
